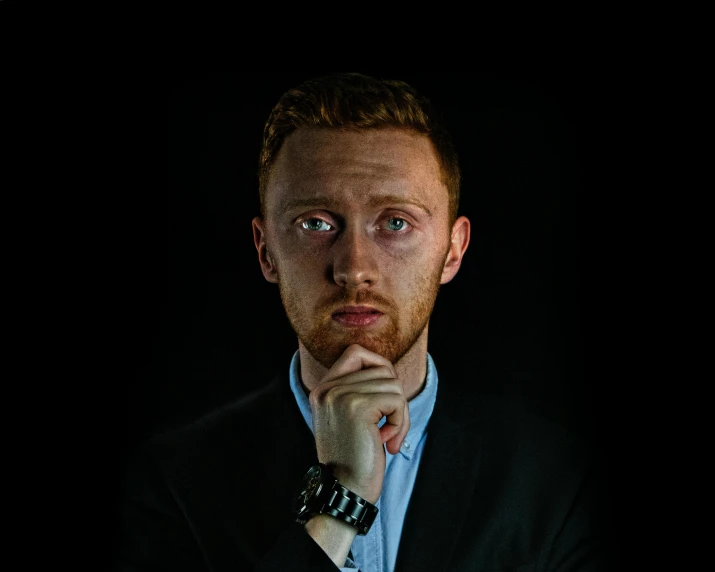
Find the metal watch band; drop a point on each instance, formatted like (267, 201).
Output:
(351, 508)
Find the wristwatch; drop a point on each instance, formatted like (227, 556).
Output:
(321, 493)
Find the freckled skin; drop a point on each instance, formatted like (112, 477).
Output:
(360, 253)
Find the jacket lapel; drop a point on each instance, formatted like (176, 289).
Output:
(444, 486)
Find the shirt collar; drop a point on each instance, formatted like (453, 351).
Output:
(421, 405)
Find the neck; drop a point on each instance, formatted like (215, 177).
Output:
(411, 368)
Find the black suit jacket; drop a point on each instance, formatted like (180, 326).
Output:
(498, 488)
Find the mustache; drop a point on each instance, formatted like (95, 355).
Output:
(361, 297)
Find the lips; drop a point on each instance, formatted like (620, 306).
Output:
(356, 315)
(356, 310)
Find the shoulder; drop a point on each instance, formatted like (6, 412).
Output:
(524, 421)
(535, 435)
(516, 432)
(195, 440)
(530, 459)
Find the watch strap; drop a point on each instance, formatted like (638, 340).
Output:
(333, 499)
(345, 505)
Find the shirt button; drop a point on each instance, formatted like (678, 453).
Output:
(406, 444)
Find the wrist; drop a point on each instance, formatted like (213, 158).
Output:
(321, 493)
(364, 491)
(333, 536)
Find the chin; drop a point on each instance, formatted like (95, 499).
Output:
(327, 351)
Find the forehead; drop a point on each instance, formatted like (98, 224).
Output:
(355, 166)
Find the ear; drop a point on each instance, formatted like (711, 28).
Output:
(268, 267)
(457, 248)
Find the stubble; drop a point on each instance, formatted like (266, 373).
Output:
(326, 341)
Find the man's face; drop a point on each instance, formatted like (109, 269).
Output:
(356, 218)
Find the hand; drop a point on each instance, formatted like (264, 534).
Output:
(347, 405)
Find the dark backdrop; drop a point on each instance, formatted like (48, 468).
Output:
(203, 325)
(510, 320)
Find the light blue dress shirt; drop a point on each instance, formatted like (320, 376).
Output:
(377, 550)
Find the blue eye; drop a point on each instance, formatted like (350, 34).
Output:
(395, 224)
(400, 223)
(314, 224)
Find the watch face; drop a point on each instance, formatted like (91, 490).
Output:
(310, 488)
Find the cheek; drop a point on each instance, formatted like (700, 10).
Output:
(294, 254)
(298, 248)
(420, 262)
(301, 271)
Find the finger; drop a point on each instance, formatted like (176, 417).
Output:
(372, 380)
(364, 375)
(372, 407)
(354, 358)
(394, 443)
(395, 421)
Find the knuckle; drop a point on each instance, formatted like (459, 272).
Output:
(330, 398)
(354, 406)
(319, 395)
(395, 387)
(387, 370)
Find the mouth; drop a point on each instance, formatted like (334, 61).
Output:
(357, 316)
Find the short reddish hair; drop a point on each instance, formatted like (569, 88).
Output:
(357, 101)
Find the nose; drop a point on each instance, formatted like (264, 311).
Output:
(355, 259)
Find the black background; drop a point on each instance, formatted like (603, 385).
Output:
(526, 316)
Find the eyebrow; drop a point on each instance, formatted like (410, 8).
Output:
(374, 202)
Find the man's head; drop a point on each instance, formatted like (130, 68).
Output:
(359, 190)
(355, 101)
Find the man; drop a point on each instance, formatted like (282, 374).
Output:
(360, 456)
